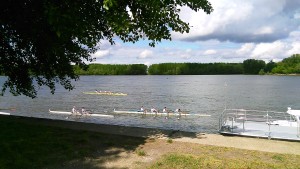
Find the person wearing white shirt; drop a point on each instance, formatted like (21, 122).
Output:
(166, 111)
(153, 110)
(74, 110)
(179, 113)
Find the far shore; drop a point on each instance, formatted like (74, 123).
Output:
(275, 146)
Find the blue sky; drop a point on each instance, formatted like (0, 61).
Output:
(235, 31)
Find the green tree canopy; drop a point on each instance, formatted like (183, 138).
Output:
(41, 39)
(253, 66)
(269, 66)
(195, 68)
(108, 69)
(288, 65)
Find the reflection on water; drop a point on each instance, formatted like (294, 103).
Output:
(196, 94)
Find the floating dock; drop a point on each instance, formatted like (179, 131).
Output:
(262, 124)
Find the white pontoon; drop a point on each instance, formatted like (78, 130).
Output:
(256, 123)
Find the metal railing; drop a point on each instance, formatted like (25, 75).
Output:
(242, 115)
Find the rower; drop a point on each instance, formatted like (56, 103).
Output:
(179, 113)
(74, 110)
(83, 111)
(143, 110)
(166, 111)
(153, 110)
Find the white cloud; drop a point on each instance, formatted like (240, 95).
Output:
(268, 51)
(242, 21)
(295, 49)
(202, 24)
(145, 54)
(295, 35)
(210, 52)
(264, 30)
(101, 54)
(235, 31)
(186, 54)
(147, 63)
(245, 49)
(104, 44)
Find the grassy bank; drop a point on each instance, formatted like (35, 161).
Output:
(216, 157)
(26, 145)
(31, 145)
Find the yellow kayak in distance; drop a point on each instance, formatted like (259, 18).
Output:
(106, 93)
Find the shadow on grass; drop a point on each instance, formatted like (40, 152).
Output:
(34, 143)
(43, 143)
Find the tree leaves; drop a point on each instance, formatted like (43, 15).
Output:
(41, 39)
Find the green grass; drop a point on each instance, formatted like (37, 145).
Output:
(140, 152)
(220, 157)
(169, 141)
(24, 145)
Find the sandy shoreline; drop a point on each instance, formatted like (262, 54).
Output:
(276, 146)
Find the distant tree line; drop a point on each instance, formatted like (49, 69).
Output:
(195, 68)
(109, 69)
(290, 65)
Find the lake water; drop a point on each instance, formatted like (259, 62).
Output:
(196, 94)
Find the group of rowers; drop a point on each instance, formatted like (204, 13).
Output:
(83, 111)
(165, 111)
(103, 91)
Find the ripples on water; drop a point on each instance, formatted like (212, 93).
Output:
(196, 94)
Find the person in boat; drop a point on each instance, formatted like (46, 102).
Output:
(153, 110)
(166, 111)
(178, 111)
(143, 110)
(74, 110)
(96, 91)
(84, 111)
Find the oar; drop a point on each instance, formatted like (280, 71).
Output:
(13, 109)
(202, 115)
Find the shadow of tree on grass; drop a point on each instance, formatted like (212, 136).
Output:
(43, 143)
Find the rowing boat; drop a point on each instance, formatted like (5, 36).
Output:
(130, 112)
(158, 113)
(79, 114)
(106, 93)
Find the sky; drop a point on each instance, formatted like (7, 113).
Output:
(235, 31)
